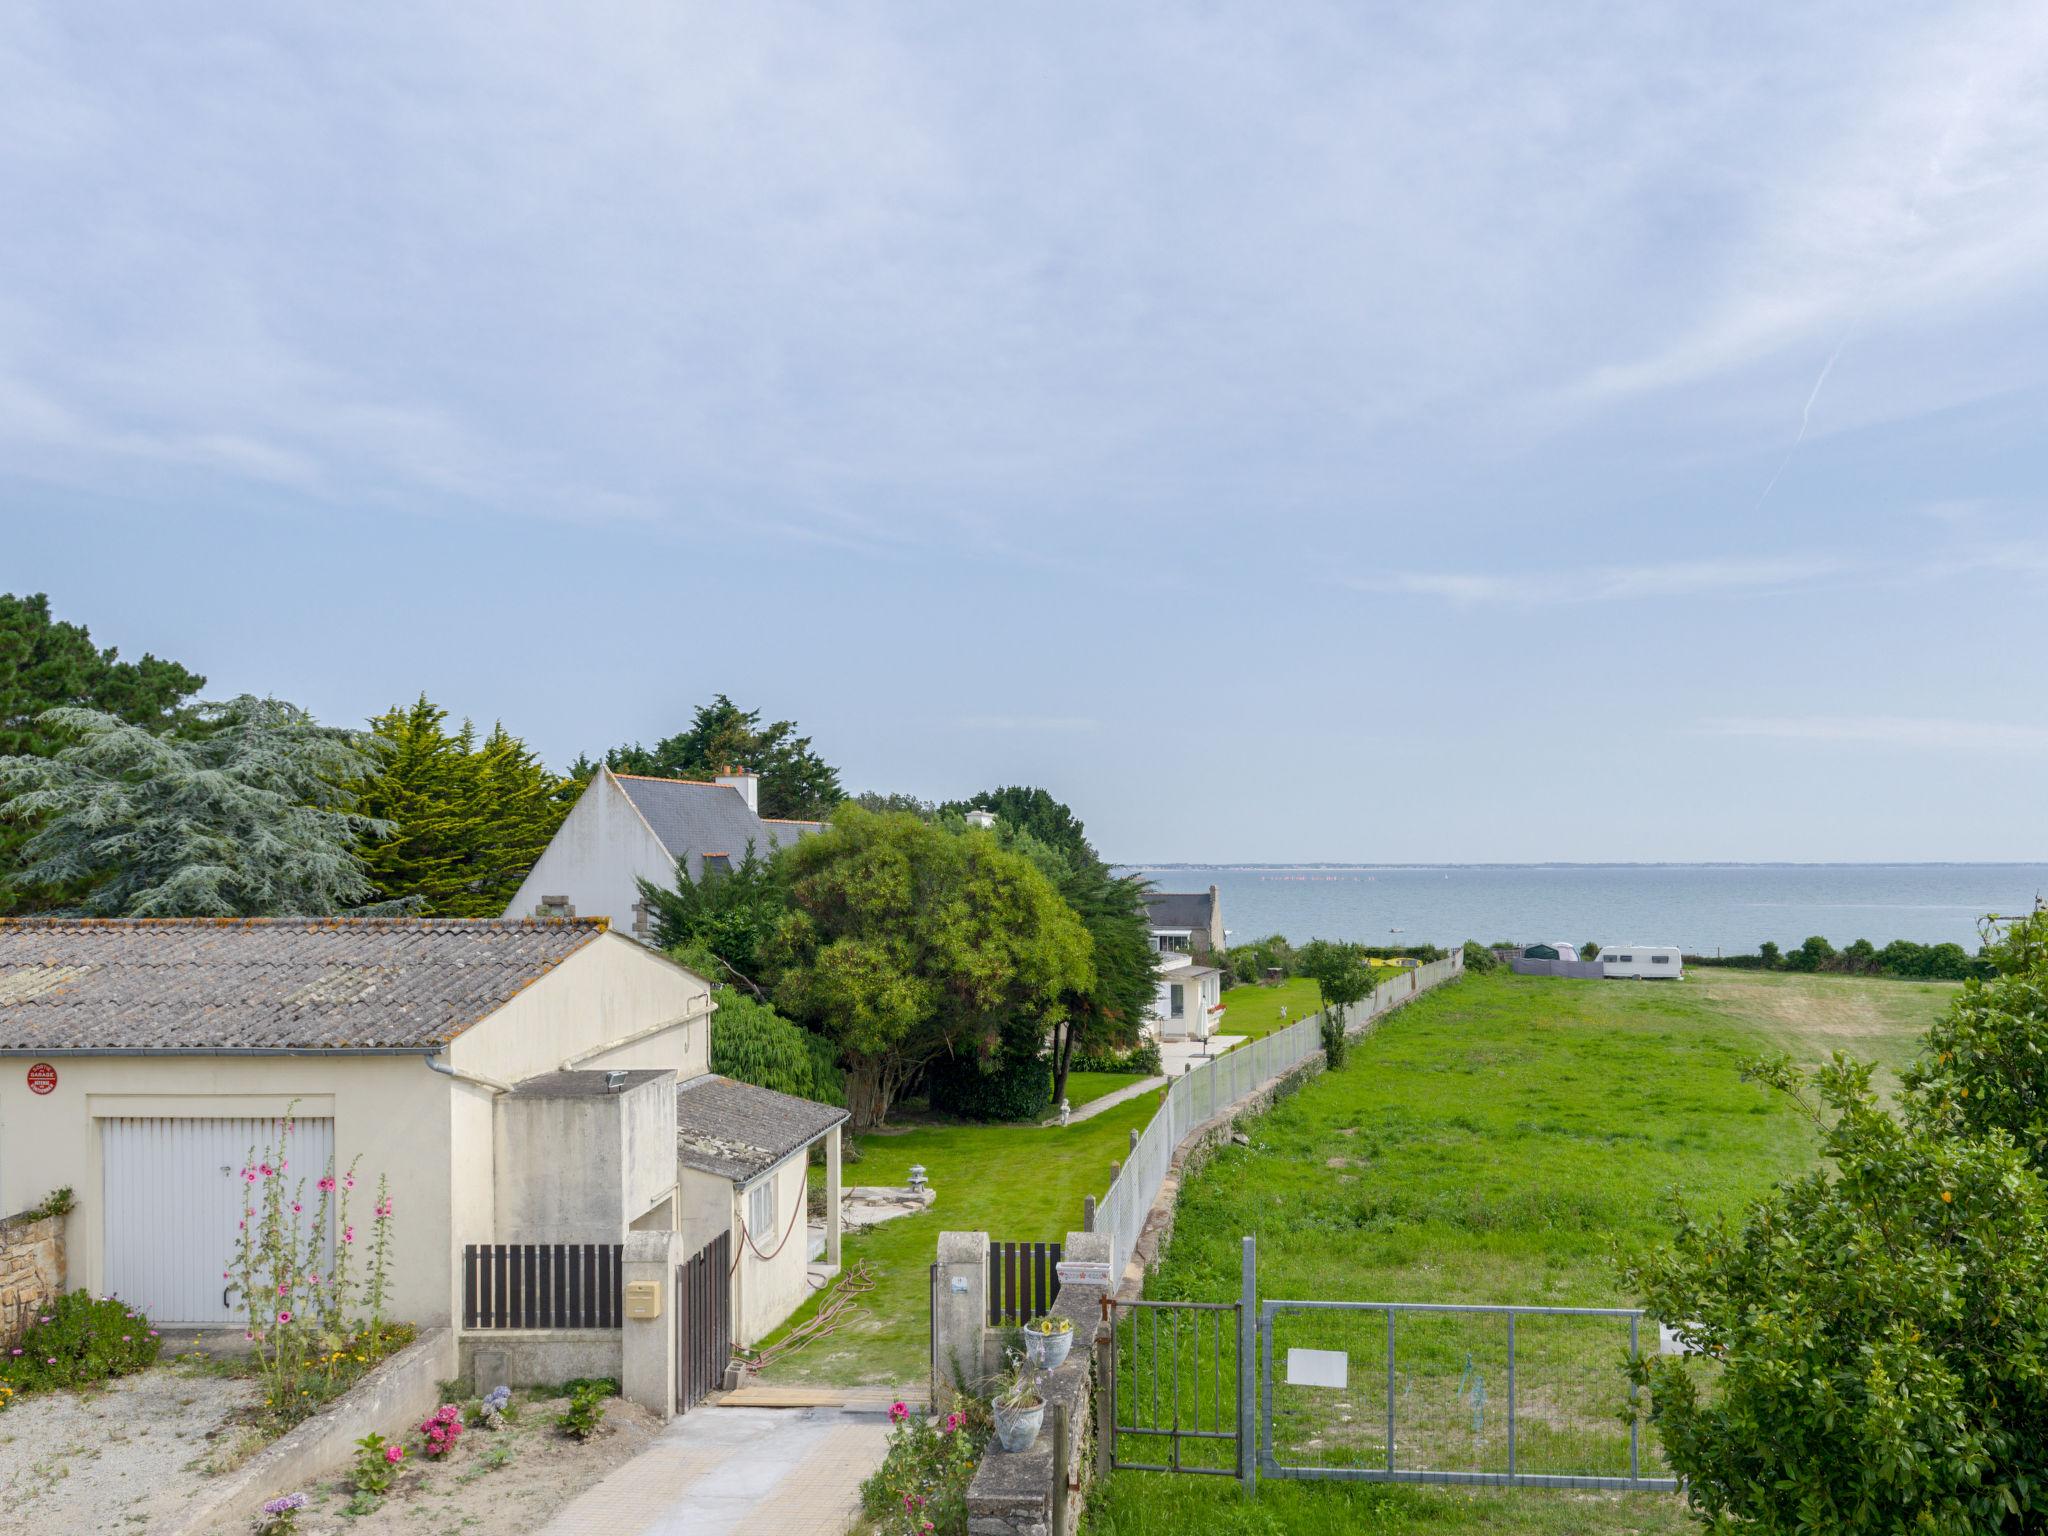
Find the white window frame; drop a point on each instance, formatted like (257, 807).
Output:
(761, 1207)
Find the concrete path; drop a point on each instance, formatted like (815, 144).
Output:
(1095, 1107)
(715, 1470)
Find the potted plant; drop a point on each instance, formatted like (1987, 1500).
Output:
(1047, 1340)
(1019, 1406)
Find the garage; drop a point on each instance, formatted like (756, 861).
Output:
(172, 1197)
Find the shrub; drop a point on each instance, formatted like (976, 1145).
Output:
(441, 1429)
(1141, 1060)
(753, 1043)
(58, 1202)
(1479, 957)
(920, 1489)
(585, 1414)
(1335, 1042)
(1010, 1088)
(376, 1464)
(80, 1339)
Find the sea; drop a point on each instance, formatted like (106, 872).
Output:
(1703, 908)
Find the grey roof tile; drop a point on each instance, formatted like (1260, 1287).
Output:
(1171, 909)
(693, 818)
(736, 1131)
(86, 984)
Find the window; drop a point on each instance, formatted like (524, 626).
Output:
(761, 1209)
(1660, 959)
(1179, 994)
(1625, 959)
(717, 864)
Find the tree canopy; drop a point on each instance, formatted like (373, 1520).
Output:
(469, 817)
(796, 783)
(46, 664)
(1027, 808)
(723, 921)
(1106, 1017)
(904, 942)
(250, 816)
(1872, 1339)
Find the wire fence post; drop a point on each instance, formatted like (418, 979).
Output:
(1247, 1357)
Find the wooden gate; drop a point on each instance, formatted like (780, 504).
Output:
(703, 1321)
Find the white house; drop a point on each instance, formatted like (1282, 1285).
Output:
(531, 1090)
(1186, 922)
(626, 828)
(1187, 928)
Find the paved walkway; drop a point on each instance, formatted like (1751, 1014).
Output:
(1095, 1107)
(715, 1470)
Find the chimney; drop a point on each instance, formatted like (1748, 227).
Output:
(747, 783)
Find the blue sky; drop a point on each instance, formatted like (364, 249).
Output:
(1474, 432)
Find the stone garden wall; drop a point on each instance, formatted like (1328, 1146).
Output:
(31, 1271)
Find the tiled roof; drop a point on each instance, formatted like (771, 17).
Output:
(692, 818)
(86, 984)
(1171, 909)
(735, 1130)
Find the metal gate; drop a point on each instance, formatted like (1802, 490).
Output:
(703, 1321)
(1434, 1408)
(1181, 1383)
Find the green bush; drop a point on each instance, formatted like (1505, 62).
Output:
(920, 1489)
(828, 1082)
(81, 1339)
(753, 1043)
(1013, 1088)
(1335, 1042)
(1141, 1060)
(1479, 958)
(585, 1413)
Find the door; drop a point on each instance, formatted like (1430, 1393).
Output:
(703, 1321)
(172, 1190)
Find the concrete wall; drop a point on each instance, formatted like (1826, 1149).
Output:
(581, 1169)
(772, 1288)
(537, 1357)
(603, 848)
(31, 1270)
(705, 1210)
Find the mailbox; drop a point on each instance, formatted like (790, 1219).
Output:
(643, 1299)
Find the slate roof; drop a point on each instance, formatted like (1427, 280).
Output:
(736, 1131)
(170, 984)
(1167, 909)
(693, 818)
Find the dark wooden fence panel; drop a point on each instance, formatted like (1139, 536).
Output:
(542, 1285)
(703, 1321)
(1023, 1279)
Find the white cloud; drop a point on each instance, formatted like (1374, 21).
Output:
(1612, 583)
(1914, 731)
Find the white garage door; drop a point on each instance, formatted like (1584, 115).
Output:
(172, 1192)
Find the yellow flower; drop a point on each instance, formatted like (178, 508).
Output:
(1947, 1198)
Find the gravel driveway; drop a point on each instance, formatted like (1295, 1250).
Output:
(114, 1458)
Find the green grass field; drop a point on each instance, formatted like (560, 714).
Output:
(1087, 1087)
(1254, 1012)
(1499, 1141)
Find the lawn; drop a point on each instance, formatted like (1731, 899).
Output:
(1020, 1183)
(1087, 1087)
(1498, 1141)
(1255, 1011)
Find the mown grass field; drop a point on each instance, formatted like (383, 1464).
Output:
(1254, 1012)
(1499, 1141)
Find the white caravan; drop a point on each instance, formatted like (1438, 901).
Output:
(1642, 962)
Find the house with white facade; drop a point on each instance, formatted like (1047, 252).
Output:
(627, 827)
(536, 1092)
(1187, 928)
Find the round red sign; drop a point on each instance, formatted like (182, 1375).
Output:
(42, 1078)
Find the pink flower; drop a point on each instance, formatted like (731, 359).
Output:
(327, 1182)
(52, 1360)
(348, 1181)
(297, 1209)
(898, 1412)
(284, 1289)
(152, 1333)
(394, 1454)
(264, 1169)
(126, 1340)
(348, 1234)
(952, 1422)
(284, 1317)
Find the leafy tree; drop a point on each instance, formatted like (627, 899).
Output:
(753, 1043)
(1342, 978)
(1589, 950)
(883, 803)
(1768, 953)
(251, 817)
(469, 817)
(1813, 955)
(1480, 958)
(905, 942)
(1026, 808)
(725, 919)
(47, 664)
(1873, 1337)
(796, 783)
(1108, 1015)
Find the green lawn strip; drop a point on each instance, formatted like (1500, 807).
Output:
(1493, 1142)
(1087, 1087)
(1255, 1011)
(1018, 1183)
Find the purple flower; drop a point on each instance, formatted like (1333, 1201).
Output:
(286, 1504)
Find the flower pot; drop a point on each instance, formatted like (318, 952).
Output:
(1047, 1350)
(1017, 1428)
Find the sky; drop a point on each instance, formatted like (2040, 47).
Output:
(1284, 431)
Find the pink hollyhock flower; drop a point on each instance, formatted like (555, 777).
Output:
(394, 1454)
(898, 1412)
(284, 1317)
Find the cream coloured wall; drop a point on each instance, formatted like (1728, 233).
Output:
(594, 1010)
(772, 1288)
(390, 1111)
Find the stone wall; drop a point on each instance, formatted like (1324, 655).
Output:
(31, 1271)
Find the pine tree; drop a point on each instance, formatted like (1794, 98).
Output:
(247, 815)
(469, 818)
(796, 783)
(46, 665)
